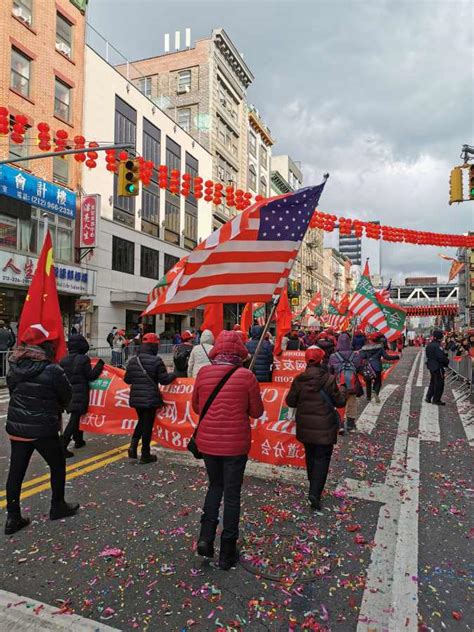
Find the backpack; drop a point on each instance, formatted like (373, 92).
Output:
(181, 357)
(110, 338)
(347, 372)
(368, 372)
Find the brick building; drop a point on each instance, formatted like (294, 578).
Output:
(41, 77)
(204, 89)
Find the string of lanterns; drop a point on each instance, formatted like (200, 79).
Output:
(15, 125)
(433, 310)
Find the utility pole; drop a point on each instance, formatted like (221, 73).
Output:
(67, 152)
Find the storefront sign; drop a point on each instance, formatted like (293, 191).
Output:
(90, 212)
(26, 187)
(83, 305)
(18, 270)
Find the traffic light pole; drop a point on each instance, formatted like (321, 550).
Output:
(67, 152)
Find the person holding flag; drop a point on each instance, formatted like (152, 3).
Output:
(39, 392)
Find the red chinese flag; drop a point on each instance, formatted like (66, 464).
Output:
(41, 305)
(214, 318)
(246, 319)
(283, 319)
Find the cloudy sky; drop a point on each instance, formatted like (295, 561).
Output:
(380, 94)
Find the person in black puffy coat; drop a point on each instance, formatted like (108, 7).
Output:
(264, 361)
(144, 372)
(39, 392)
(79, 371)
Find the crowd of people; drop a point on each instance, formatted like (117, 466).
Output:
(226, 395)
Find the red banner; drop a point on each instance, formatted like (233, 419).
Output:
(273, 437)
(287, 366)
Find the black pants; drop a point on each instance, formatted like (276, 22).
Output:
(376, 384)
(144, 427)
(72, 429)
(226, 474)
(436, 387)
(318, 458)
(52, 452)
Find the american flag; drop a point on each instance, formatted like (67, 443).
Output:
(247, 260)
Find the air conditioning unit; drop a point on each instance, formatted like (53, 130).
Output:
(64, 48)
(183, 89)
(21, 14)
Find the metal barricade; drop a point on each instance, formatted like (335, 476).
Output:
(120, 358)
(4, 355)
(461, 376)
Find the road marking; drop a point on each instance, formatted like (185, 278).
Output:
(368, 418)
(23, 613)
(404, 609)
(2, 416)
(419, 379)
(72, 471)
(429, 420)
(379, 588)
(466, 414)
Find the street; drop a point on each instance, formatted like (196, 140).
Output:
(389, 551)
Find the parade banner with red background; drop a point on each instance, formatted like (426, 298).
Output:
(273, 436)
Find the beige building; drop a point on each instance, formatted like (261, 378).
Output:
(260, 144)
(308, 269)
(204, 89)
(338, 274)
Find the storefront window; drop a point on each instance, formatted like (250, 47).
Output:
(8, 231)
(27, 235)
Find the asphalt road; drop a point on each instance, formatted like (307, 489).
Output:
(390, 551)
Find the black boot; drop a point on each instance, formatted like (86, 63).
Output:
(146, 457)
(228, 555)
(62, 510)
(315, 503)
(132, 450)
(79, 443)
(14, 523)
(205, 546)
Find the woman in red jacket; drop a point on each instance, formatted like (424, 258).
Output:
(224, 440)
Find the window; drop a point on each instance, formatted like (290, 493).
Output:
(184, 118)
(63, 35)
(169, 262)
(144, 85)
(19, 150)
(171, 222)
(123, 255)
(253, 144)
(61, 169)
(20, 72)
(151, 204)
(184, 81)
(263, 157)
(62, 100)
(173, 155)
(149, 263)
(263, 187)
(23, 10)
(152, 145)
(8, 231)
(125, 132)
(252, 178)
(192, 167)
(190, 227)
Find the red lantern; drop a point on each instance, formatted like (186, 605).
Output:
(91, 163)
(79, 157)
(16, 138)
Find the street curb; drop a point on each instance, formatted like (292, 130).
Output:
(22, 614)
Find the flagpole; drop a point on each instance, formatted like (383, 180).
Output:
(45, 224)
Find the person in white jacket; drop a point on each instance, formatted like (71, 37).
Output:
(199, 354)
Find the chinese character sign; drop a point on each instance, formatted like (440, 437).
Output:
(90, 210)
(26, 187)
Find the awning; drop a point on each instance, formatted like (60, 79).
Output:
(135, 298)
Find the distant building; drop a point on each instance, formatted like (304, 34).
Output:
(204, 90)
(260, 144)
(421, 280)
(351, 247)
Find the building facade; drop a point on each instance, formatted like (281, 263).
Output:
(140, 238)
(260, 144)
(337, 271)
(42, 78)
(204, 90)
(351, 247)
(466, 287)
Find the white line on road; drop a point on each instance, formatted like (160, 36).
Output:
(29, 615)
(429, 420)
(466, 414)
(404, 610)
(378, 594)
(419, 379)
(2, 416)
(368, 418)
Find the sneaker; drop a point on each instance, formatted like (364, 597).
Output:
(342, 431)
(428, 401)
(15, 523)
(63, 510)
(377, 399)
(350, 425)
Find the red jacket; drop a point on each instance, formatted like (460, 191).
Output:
(225, 430)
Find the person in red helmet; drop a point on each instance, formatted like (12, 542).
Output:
(315, 395)
(231, 395)
(39, 393)
(327, 342)
(144, 372)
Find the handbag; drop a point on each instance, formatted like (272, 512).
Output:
(192, 445)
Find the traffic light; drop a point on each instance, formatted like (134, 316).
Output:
(128, 177)
(455, 185)
(471, 182)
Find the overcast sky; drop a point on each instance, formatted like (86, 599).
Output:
(380, 94)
